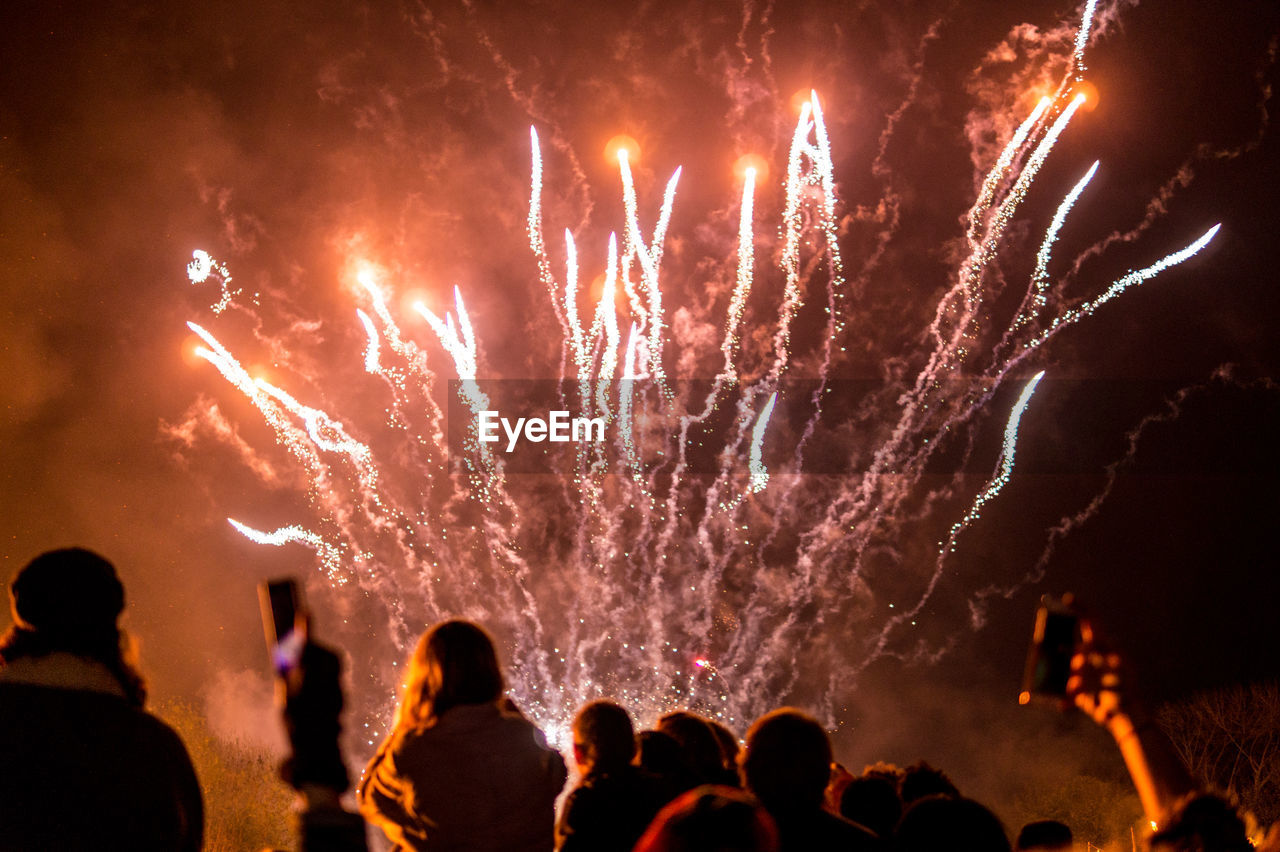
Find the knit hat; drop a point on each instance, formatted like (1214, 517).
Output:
(70, 594)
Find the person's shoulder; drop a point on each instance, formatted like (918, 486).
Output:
(158, 729)
(51, 705)
(849, 834)
(581, 796)
(520, 727)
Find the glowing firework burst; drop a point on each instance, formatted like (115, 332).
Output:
(689, 560)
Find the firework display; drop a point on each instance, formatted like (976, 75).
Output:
(697, 556)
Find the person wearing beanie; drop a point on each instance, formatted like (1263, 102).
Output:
(82, 764)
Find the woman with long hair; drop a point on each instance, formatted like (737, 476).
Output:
(460, 768)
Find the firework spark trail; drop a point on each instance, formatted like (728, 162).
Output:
(809, 165)
(727, 375)
(203, 267)
(746, 271)
(586, 497)
(951, 348)
(536, 241)
(288, 435)
(850, 508)
(650, 258)
(798, 177)
(459, 341)
(818, 173)
(1004, 471)
(607, 317)
(635, 300)
(886, 216)
(1082, 39)
(836, 307)
(586, 349)
(977, 264)
(303, 444)
(397, 377)
(1001, 477)
(1174, 407)
(329, 556)
(1119, 286)
(1035, 300)
(1000, 172)
(759, 474)
(372, 361)
(855, 516)
(1040, 277)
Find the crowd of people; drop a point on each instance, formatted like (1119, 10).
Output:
(84, 766)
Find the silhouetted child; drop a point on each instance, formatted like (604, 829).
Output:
(615, 801)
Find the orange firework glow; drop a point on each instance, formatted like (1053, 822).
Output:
(754, 162)
(1089, 91)
(190, 351)
(799, 99)
(614, 148)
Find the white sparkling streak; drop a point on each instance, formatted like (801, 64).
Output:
(1124, 283)
(202, 267)
(1001, 168)
(371, 364)
(1082, 38)
(330, 556)
(1004, 466)
(457, 341)
(746, 271)
(1040, 276)
(760, 474)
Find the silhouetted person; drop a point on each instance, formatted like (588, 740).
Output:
(699, 747)
(872, 801)
(711, 819)
(729, 749)
(786, 764)
(457, 770)
(920, 780)
(1047, 835)
(615, 801)
(82, 764)
(888, 771)
(659, 755)
(312, 707)
(1202, 822)
(948, 822)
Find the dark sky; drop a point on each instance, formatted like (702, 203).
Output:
(288, 140)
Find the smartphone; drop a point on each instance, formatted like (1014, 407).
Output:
(282, 622)
(1054, 642)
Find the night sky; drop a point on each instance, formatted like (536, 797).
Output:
(288, 140)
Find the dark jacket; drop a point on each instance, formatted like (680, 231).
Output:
(608, 811)
(818, 830)
(85, 769)
(478, 779)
